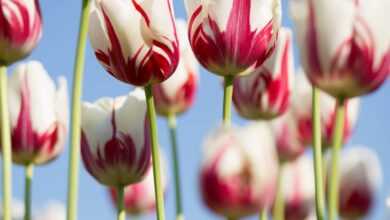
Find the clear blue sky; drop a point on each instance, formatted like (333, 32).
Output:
(56, 51)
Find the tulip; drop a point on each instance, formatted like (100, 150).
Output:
(20, 29)
(115, 145)
(38, 134)
(229, 36)
(352, 62)
(139, 197)
(360, 180)
(176, 95)
(265, 93)
(135, 41)
(289, 145)
(302, 107)
(298, 188)
(239, 171)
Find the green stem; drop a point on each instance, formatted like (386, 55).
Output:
(263, 214)
(121, 203)
(227, 100)
(176, 166)
(74, 152)
(29, 170)
(317, 154)
(334, 175)
(155, 153)
(278, 212)
(6, 144)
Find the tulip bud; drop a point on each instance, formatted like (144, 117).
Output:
(230, 36)
(265, 93)
(353, 61)
(115, 144)
(20, 29)
(135, 41)
(177, 94)
(38, 114)
(360, 179)
(302, 110)
(299, 189)
(139, 197)
(239, 171)
(288, 142)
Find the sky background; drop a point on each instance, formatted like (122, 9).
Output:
(56, 52)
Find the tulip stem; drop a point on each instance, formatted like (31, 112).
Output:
(176, 166)
(334, 175)
(263, 215)
(5, 144)
(278, 212)
(74, 151)
(227, 100)
(29, 171)
(155, 153)
(121, 203)
(317, 154)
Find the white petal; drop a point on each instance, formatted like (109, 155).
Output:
(160, 14)
(187, 63)
(40, 91)
(274, 63)
(97, 29)
(96, 124)
(359, 165)
(130, 117)
(126, 22)
(376, 15)
(262, 12)
(331, 15)
(298, 177)
(259, 145)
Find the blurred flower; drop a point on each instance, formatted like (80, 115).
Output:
(52, 211)
(38, 114)
(299, 189)
(17, 212)
(288, 142)
(140, 197)
(302, 111)
(20, 29)
(360, 179)
(229, 36)
(177, 94)
(265, 93)
(135, 40)
(353, 61)
(239, 170)
(115, 144)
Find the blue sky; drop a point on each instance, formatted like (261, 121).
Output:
(56, 51)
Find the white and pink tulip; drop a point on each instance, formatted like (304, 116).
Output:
(135, 41)
(176, 95)
(229, 36)
(265, 92)
(349, 62)
(20, 29)
(115, 142)
(239, 171)
(38, 114)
